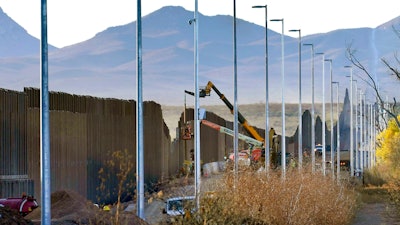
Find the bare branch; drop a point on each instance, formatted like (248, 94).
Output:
(394, 71)
(350, 54)
(365, 80)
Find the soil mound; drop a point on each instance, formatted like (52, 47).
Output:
(10, 217)
(68, 207)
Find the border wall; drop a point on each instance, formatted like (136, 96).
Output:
(83, 131)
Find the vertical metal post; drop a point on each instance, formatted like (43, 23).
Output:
(283, 144)
(358, 118)
(267, 152)
(365, 131)
(337, 135)
(323, 116)
(361, 147)
(197, 108)
(266, 144)
(283, 137)
(139, 117)
(371, 133)
(313, 112)
(300, 134)
(184, 124)
(312, 152)
(45, 165)
(235, 106)
(300, 111)
(369, 108)
(351, 123)
(374, 137)
(332, 138)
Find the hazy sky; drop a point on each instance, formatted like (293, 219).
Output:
(73, 21)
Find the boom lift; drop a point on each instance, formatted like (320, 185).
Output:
(241, 118)
(274, 144)
(248, 140)
(255, 150)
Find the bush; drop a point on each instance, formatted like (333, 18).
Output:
(394, 193)
(374, 177)
(301, 198)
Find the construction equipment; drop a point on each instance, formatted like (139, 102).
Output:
(24, 205)
(206, 91)
(273, 138)
(254, 153)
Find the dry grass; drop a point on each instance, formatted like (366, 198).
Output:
(254, 198)
(394, 193)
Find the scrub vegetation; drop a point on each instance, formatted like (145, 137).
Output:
(257, 198)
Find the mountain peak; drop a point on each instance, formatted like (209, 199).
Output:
(9, 26)
(15, 40)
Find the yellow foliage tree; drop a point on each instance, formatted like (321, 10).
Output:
(388, 152)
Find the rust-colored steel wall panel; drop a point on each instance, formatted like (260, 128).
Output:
(106, 134)
(33, 148)
(12, 133)
(68, 151)
(83, 132)
(153, 127)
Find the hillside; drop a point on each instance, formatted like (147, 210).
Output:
(105, 65)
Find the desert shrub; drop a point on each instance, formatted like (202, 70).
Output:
(394, 193)
(254, 198)
(374, 177)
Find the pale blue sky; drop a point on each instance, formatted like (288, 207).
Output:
(73, 21)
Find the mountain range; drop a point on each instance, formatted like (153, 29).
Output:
(105, 65)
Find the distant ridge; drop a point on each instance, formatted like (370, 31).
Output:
(105, 65)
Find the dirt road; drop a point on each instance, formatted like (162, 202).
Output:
(377, 211)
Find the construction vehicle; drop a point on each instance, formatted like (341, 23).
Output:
(24, 205)
(255, 151)
(273, 140)
(207, 90)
